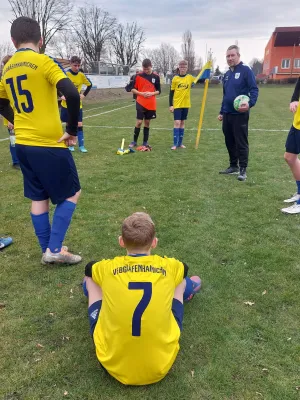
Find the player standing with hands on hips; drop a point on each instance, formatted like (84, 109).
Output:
(238, 80)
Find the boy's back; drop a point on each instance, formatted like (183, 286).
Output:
(136, 336)
(29, 82)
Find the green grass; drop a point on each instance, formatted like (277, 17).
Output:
(230, 233)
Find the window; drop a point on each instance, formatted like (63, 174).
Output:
(297, 63)
(285, 63)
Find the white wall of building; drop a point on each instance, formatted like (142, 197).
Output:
(108, 81)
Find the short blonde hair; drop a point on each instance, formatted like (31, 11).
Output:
(138, 231)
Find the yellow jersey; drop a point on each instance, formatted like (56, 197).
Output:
(78, 79)
(182, 90)
(296, 121)
(29, 82)
(136, 336)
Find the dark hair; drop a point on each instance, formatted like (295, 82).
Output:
(146, 63)
(75, 60)
(25, 30)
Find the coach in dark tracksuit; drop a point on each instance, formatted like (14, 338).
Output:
(238, 80)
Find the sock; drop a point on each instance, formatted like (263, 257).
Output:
(136, 134)
(181, 133)
(80, 136)
(146, 135)
(42, 229)
(189, 289)
(298, 186)
(176, 136)
(13, 153)
(60, 224)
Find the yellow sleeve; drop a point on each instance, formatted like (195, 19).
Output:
(53, 71)
(173, 85)
(3, 94)
(98, 271)
(177, 269)
(85, 80)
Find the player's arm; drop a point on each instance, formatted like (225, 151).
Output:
(5, 109)
(180, 271)
(171, 95)
(253, 89)
(66, 87)
(96, 271)
(296, 93)
(134, 86)
(88, 84)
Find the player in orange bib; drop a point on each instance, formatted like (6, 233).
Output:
(136, 306)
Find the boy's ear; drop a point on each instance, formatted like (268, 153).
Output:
(14, 42)
(154, 243)
(121, 242)
(40, 44)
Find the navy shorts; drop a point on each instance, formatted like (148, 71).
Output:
(48, 172)
(64, 115)
(292, 144)
(143, 113)
(180, 114)
(95, 308)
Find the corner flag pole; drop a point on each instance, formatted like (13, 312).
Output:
(202, 113)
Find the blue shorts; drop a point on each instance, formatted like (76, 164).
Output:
(48, 172)
(292, 144)
(64, 115)
(180, 114)
(94, 311)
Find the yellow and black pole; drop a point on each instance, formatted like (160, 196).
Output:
(202, 113)
(206, 67)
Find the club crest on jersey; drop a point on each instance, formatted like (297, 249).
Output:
(237, 75)
(153, 80)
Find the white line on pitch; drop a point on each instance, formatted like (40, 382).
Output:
(115, 109)
(2, 140)
(187, 129)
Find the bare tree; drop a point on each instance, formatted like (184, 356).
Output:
(94, 29)
(6, 48)
(188, 50)
(165, 58)
(256, 66)
(52, 15)
(63, 45)
(126, 44)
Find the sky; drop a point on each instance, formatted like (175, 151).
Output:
(214, 24)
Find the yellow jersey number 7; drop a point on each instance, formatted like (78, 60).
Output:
(141, 307)
(27, 108)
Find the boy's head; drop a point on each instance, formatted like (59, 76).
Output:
(138, 233)
(25, 30)
(147, 66)
(75, 63)
(183, 66)
(5, 59)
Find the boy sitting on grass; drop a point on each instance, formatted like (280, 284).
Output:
(140, 297)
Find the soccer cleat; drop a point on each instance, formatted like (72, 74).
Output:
(196, 282)
(294, 209)
(132, 144)
(230, 171)
(71, 148)
(64, 257)
(182, 146)
(62, 247)
(173, 148)
(242, 175)
(82, 149)
(292, 199)
(5, 241)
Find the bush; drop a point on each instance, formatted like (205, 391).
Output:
(284, 81)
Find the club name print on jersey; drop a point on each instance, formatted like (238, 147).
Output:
(139, 268)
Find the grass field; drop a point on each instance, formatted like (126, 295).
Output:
(230, 233)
